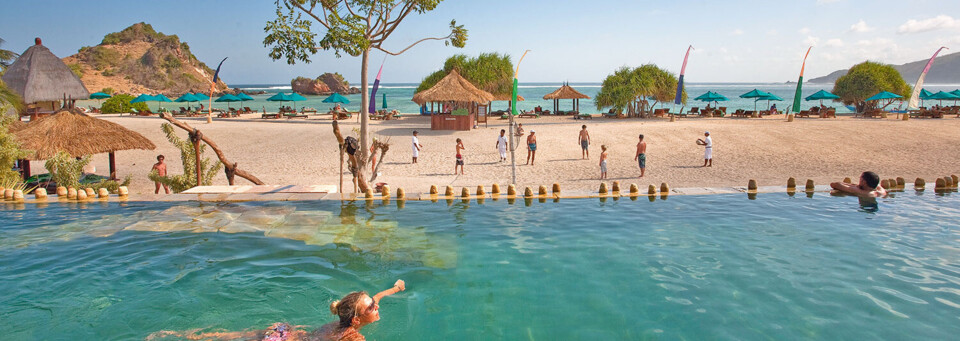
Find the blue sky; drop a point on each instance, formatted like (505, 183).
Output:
(577, 41)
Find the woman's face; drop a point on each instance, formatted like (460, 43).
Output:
(369, 311)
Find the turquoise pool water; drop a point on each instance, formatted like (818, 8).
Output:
(689, 267)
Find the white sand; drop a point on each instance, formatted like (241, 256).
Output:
(304, 152)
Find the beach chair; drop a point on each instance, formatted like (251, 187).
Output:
(294, 114)
(693, 111)
(528, 114)
(749, 113)
(583, 116)
(721, 112)
(610, 114)
(830, 112)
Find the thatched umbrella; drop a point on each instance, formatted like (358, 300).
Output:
(39, 76)
(78, 135)
(453, 88)
(566, 92)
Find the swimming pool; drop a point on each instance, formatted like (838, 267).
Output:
(691, 267)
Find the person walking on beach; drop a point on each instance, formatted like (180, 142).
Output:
(161, 169)
(519, 129)
(584, 140)
(707, 142)
(373, 157)
(416, 146)
(641, 156)
(459, 163)
(502, 145)
(531, 147)
(603, 161)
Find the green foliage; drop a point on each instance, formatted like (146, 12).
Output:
(108, 91)
(9, 98)
(338, 77)
(120, 103)
(65, 169)
(491, 72)
(77, 69)
(111, 185)
(108, 73)
(10, 150)
(171, 62)
(867, 79)
(100, 57)
(182, 182)
(625, 86)
(6, 57)
(138, 31)
(290, 36)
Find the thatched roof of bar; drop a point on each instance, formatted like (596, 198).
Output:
(16, 125)
(565, 92)
(454, 88)
(507, 97)
(78, 135)
(38, 76)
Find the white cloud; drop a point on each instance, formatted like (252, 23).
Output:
(812, 41)
(805, 30)
(861, 27)
(937, 23)
(834, 43)
(736, 32)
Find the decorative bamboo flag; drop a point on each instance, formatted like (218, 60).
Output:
(373, 94)
(683, 70)
(516, 81)
(796, 97)
(912, 104)
(213, 87)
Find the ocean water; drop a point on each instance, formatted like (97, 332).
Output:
(689, 267)
(399, 96)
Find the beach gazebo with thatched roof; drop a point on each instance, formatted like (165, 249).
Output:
(78, 135)
(566, 92)
(41, 79)
(455, 90)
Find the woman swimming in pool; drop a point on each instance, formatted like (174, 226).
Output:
(355, 310)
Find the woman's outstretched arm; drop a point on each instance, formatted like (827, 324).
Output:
(397, 287)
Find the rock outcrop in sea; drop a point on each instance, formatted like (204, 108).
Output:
(326, 84)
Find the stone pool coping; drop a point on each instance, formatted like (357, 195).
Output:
(326, 192)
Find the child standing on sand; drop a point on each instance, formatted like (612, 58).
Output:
(460, 150)
(603, 161)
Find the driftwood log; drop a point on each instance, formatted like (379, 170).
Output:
(230, 168)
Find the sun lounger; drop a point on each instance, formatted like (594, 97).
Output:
(270, 115)
(305, 110)
(290, 115)
(528, 114)
(583, 116)
(693, 111)
(830, 112)
(610, 114)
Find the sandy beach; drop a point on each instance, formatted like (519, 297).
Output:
(770, 150)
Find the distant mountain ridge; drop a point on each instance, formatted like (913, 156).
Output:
(945, 70)
(141, 60)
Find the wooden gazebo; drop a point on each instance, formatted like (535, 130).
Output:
(42, 80)
(566, 92)
(461, 94)
(78, 135)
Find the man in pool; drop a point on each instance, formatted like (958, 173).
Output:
(355, 310)
(869, 186)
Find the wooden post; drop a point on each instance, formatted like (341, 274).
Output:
(113, 165)
(25, 166)
(229, 167)
(195, 139)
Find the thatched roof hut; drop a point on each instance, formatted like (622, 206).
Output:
(507, 97)
(78, 135)
(453, 88)
(39, 76)
(566, 92)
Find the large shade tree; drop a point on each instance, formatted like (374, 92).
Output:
(355, 27)
(626, 87)
(867, 79)
(490, 72)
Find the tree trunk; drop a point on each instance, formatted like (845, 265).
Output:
(364, 103)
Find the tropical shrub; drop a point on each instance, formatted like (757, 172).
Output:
(120, 103)
(491, 72)
(187, 180)
(626, 87)
(65, 169)
(10, 150)
(867, 79)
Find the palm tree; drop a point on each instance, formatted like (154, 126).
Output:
(6, 58)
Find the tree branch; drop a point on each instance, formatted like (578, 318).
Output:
(315, 17)
(411, 45)
(229, 167)
(392, 25)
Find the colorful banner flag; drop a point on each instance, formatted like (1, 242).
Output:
(213, 88)
(683, 69)
(373, 94)
(796, 97)
(915, 97)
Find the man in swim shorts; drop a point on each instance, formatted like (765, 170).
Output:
(603, 161)
(641, 156)
(459, 163)
(584, 141)
(531, 147)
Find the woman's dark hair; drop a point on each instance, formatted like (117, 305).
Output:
(346, 307)
(872, 179)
